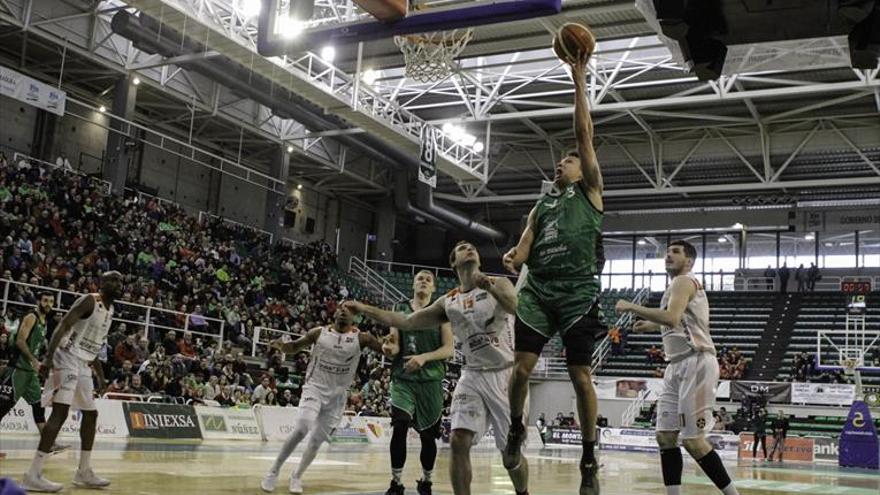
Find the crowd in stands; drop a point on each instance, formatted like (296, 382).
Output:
(804, 370)
(62, 230)
(731, 364)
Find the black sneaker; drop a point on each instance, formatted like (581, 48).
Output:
(395, 489)
(423, 487)
(590, 479)
(513, 450)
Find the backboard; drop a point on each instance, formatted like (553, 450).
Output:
(852, 349)
(287, 26)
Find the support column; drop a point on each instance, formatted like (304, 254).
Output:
(273, 218)
(121, 138)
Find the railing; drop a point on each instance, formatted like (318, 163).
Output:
(827, 283)
(373, 281)
(205, 214)
(263, 336)
(388, 266)
(151, 318)
(16, 157)
(632, 410)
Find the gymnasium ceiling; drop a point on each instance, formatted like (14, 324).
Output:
(786, 123)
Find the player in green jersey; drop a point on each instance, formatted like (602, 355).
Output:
(562, 249)
(417, 386)
(20, 379)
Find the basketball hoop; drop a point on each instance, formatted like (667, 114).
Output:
(849, 366)
(429, 56)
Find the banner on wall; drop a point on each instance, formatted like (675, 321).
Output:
(28, 90)
(428, 156)
(796, 448)
(111, 420)
(231, 424)
(560, 435)
(825, 449)
(351, 429)
(154, 420)
(773, 392)
(830, 394)
(630, 389)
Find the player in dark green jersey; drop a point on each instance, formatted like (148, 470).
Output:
(562, 249)
(20, 379)
(417, 386)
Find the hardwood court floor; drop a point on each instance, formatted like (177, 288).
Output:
(215, 467)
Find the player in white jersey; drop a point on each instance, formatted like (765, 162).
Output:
(690, 379)
(71, 357)
(336, 352)
(481, 312)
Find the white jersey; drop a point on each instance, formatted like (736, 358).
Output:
(334, 361)
(692, 333)
(482, 326)
(88, 335)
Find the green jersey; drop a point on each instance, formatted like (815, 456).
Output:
(35, 342)
(413, 343)
(568, 236)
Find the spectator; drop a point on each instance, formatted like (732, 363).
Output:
(136, 386)
(783, 273)
(6, 350)
(800, 275)
(126, 350)
(616, 341)
(770, 276)
(813, 276)
(262, 390)
(63, 163)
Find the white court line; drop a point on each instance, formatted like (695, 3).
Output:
(317, 462)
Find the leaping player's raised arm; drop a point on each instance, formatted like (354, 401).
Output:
(425, 318)
(299, 344)
(583, 127)
(681, 290)
(514, 259)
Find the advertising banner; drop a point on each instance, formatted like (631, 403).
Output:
(351, 429)
(830, 394)
(428, 156)
(228, 423)
(773, 392)
(111, 420)
(28, 90)
(825, 449)
(638, 440)
(558, 435)
(858, 441)
(276, 422)
(630, 389)
(153, 420)
(796, 448)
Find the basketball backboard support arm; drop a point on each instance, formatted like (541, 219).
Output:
(270, 43)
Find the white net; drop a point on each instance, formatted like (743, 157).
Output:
(429, 56)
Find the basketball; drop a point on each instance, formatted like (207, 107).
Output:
(572, 40)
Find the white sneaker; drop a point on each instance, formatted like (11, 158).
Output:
(269, 481)
(88, 479)
(40, 484)
(296, 486)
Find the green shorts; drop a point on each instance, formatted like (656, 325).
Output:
(423, 401)
(25, 384)
(553, 306)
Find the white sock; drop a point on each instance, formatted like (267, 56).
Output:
(308, 456)
(37, 465)
(730, 490)
(395, 474)
(85, 458)
(290, 444)
(426, 475)
(673, 490)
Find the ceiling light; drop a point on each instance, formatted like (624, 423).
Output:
(468, 140)
(251, 8)
(370, 76)
(738, 226)
(328, 53)
(447, 128)
(829, 244)
(299, 186)
(478, 147)
(641, 242)
(290, 27)
(809, 237)
(102, 109)
(136, 81)
(722, 240)
(289, 149)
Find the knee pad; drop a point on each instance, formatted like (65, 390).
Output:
(39, 412)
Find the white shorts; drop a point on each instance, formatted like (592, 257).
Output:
(480, 399)
(69, 382)
(324, 411)
(688, 397)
